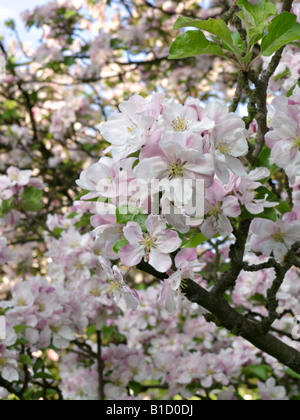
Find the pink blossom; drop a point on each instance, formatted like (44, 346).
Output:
(6, 253)
(274, 237)
(270, 392)
(219, 207)
(229, 142)
(154, 246)
(117, 287)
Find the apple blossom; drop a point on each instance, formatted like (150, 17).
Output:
(219, 207)
(154, 246)
(270, 392)
(274, 237)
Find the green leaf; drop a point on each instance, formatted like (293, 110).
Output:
(136, 387)
(255, 17)
(195, 241)
(258, 298)
(82, 194)
(38, 365)
(70, 13)
(91, 330)
(127, 214)
(84, 221)
(282, 30)
(193, 43)
(261, 372)
(57, 231)
(257, 14)
(107, 332)
(6, 206)
(247, 58)
(293, 374)
(42, 375)
(20, 328)
(283, 207)
(119, 245)
(262, 192)
(31, 199)
(269, 214)
(238, 42)
(264, 161)
(216, 27)
(26, 360)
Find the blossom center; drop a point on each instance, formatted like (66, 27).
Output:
(131, 129)
(3, 361)
(96, 292)
(113, 288)
(216, 210)
(224, 148)
(41, 307)
(297, 142)
(21, 302)
(278, 236)
(149, 242)
(180, 124)
(176, 169)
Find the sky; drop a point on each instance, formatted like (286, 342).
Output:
(11, 9)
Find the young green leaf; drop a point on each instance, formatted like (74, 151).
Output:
(119, 245)
(31, 199)
(255, 17)
(257, 14)
(268, 213)
(127, 214)
(216, 27)
(195, 241)
(193, 43)
(261, 372)
(282, 30)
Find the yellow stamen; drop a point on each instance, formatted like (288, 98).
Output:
(216, 210)
(176, 169)
(278, 236)
(224, 148)
(180, 124)
(297, 142)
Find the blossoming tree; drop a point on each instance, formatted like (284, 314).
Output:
(149, 201)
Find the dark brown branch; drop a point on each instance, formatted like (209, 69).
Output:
(8, 386)
(100, 367)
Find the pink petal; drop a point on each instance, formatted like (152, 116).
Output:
(133, 233)
(131, 255)
(168, 242)
(161, 262)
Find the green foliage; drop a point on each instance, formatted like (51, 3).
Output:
(282, 30)
(127, 214)
(26, 360)
(263, 161)
(268, 213)
(283, 207)
(119, 245)
(31, 199)
(6, 206)
(193, 43)
(195, 241)
(216, 27)
(255, 17)
(261, 372)
(293, 374)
